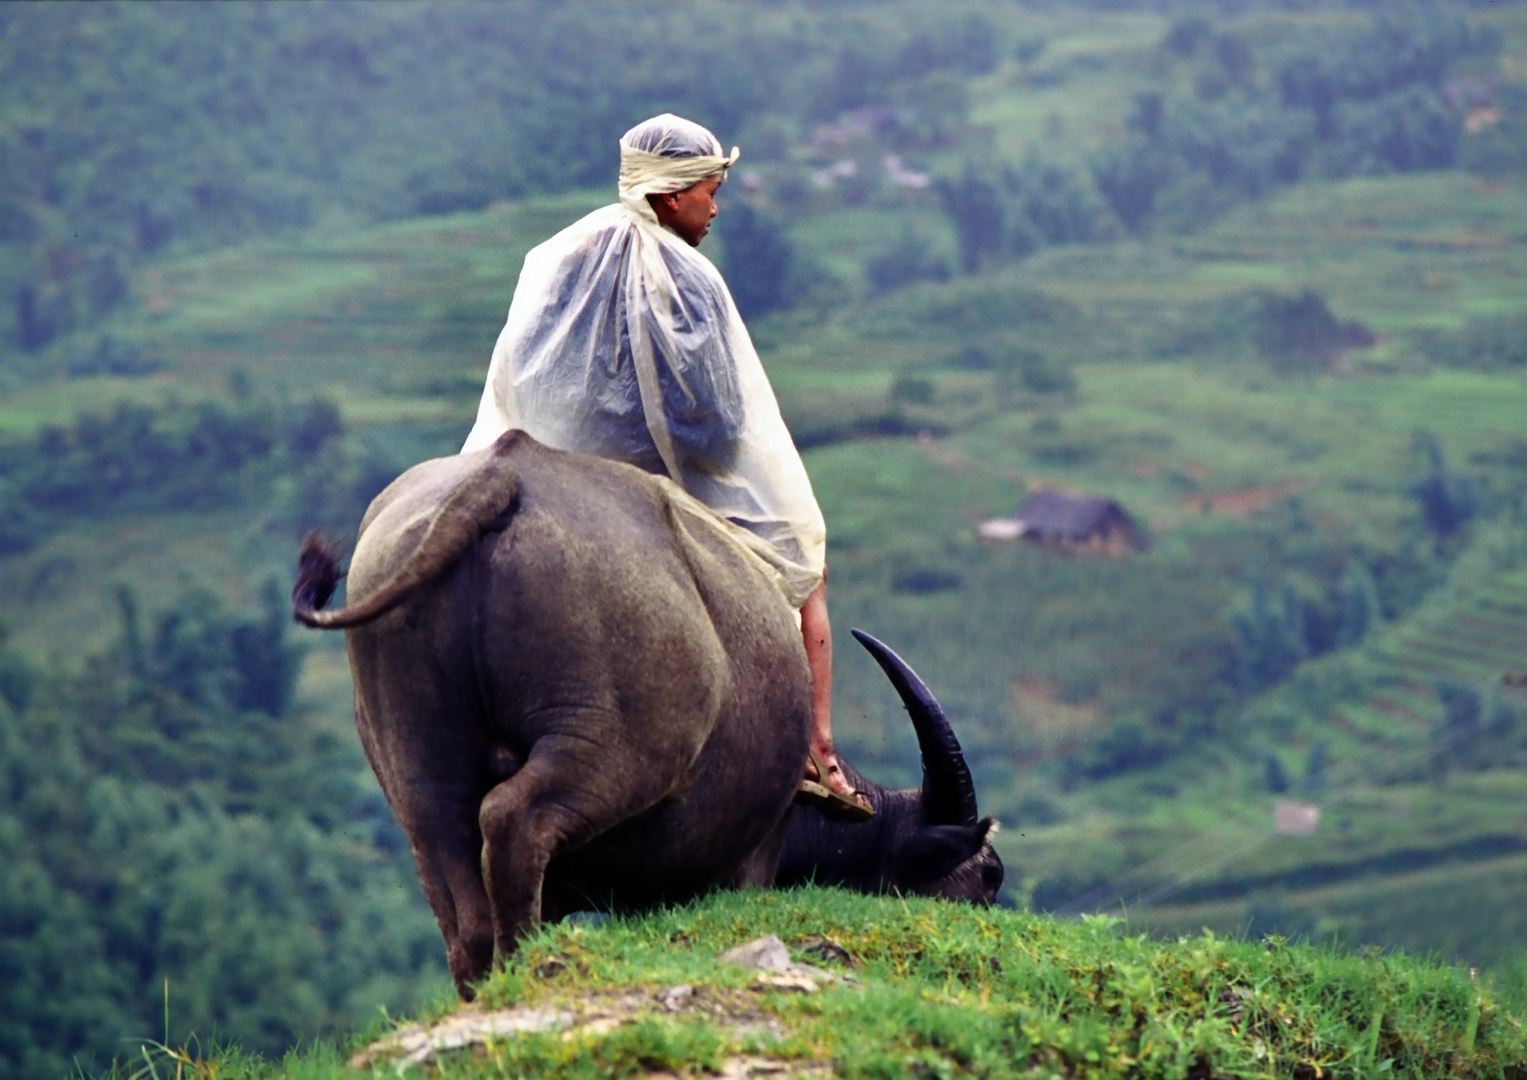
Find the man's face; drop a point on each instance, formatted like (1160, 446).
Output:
(689, 212)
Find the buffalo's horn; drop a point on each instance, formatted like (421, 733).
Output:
(949, 795)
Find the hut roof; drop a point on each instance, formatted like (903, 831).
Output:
(1062, 514)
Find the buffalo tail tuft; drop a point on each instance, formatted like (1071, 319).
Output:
(318, 575)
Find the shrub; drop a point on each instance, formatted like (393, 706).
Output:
(975, 208)
(1488, 344)
(911, 389)
(757, 259)
(923, 580)
(1056, 203)
(1036, 372)
(904, 262)
(108, 356)
(1447, 499)
(1301, 333)
(1130, 176)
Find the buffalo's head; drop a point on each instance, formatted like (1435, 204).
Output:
(927, 841)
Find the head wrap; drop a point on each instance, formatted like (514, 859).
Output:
(667, 153)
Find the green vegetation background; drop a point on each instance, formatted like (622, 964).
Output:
(1258, 277)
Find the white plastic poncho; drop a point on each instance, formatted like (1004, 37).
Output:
(623, 342)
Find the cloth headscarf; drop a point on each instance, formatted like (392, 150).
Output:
(622, 341)
(666, 154)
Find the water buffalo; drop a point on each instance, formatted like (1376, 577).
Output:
(575, 690)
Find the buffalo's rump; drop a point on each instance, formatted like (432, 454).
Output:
(597, 636)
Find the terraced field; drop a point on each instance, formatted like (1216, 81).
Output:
(1480, 639)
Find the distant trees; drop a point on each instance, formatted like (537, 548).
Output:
(1299, 333)
(167, 814)
(1273, 628)
(1473, 730)
(1056, 205)
(1130, 176)
(976, 209)
(906, 260)
(758, 259)
(1279, 628)
(1447, 499)
(1279, 624)
(1332, 106)
(122, 140)
(1033, 372)
(283, 116)
(1128, 745)
(867, 71)
(1000, 217)
(138, 459)
(1256, 118)
(1274, 775)
(1492, 343)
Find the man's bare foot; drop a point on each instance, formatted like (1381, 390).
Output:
(836, 779)
(833, 794)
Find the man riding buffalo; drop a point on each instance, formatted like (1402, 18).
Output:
(590, 652)
(623, 342)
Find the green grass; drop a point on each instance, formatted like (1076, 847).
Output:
(1437, 908)
(945, 990)
(404, 311)
(59, 402)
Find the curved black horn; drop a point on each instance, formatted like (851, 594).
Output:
(949, 795)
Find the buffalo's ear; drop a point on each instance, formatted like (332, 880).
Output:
(935, 850)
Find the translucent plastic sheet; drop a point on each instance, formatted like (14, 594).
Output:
(622, 341)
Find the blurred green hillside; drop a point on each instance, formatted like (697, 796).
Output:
(1258, 278)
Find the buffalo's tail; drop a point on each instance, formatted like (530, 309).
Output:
(318, 575)
(480, 502)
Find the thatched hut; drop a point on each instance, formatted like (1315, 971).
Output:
(1075, 522)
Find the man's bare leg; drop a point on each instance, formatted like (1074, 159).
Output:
(816, 630)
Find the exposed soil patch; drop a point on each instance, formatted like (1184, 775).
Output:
(1241, 504)
(597, 1014)
(1391, 708)
(290, 333)
(947, 457)
(1053, 728)
(1468, 240)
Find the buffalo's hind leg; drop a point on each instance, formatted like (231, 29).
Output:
(556, 802)
(450, 870)
(435, 788)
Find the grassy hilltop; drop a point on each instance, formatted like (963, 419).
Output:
(897, 987)
(1257, 278)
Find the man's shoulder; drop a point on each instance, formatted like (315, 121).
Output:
(591, 232)
(694, 274)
